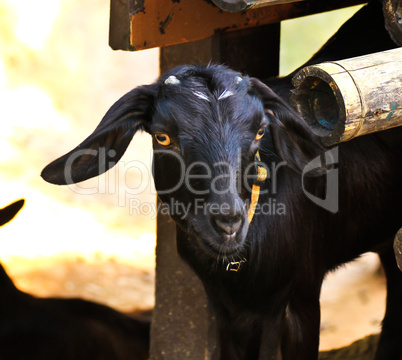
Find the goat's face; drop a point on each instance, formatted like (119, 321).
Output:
(206, 130)
(207, 124)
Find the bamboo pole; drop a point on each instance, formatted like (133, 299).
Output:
(353, 97)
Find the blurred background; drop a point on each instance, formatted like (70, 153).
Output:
(96, 240)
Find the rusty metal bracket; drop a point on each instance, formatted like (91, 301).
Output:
(242, 5)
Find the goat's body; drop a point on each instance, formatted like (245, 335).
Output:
(66, 329)
(278, 299)
(302, 245)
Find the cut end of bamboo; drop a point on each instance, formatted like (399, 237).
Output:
(317, 99)
(353, 97)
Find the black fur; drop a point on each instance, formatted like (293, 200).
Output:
(7, 213)
(271, 305)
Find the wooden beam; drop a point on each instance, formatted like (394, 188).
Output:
(150, 23)
(119, 25)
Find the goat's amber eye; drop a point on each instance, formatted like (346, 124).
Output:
(162, 139)
(260, 134)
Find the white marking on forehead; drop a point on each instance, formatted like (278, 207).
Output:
(172, 80)
(238, 79)
(201, 95)
(225, 94)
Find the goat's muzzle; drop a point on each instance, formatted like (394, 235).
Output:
(228, 225)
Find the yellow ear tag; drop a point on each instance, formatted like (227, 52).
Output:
(255, 191)
(255, 194)
(261, 173)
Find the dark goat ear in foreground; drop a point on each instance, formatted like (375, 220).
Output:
(107, 144)
(294, 141)
(8, 212)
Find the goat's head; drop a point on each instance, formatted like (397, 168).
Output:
(207, 124)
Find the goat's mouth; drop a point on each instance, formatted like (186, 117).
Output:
(230, 251)
(221, 245)
(228, 247)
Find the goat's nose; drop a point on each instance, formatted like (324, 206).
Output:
(230, 226)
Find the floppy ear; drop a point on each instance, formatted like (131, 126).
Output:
(106, 145)
(8, 213)
(294, 141)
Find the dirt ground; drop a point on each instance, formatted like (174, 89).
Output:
(106, 280)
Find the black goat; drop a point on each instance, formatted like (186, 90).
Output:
(263, 277)
(65, 329)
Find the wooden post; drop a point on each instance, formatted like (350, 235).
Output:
(398, 248)
(182, 326)
(353, 97)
